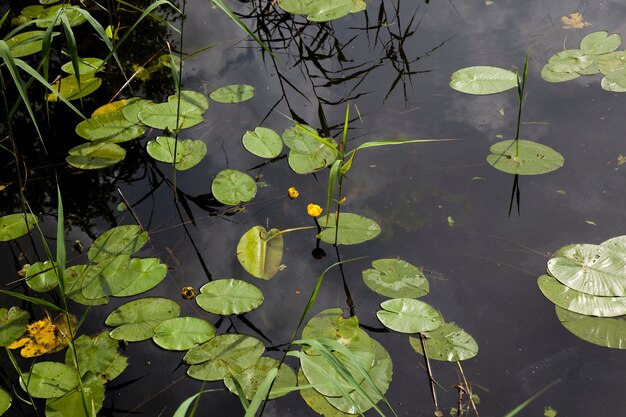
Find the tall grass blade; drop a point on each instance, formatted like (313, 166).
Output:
(33, 300)
(333, 178)
(240, 393)
(4, 18)
(61, 254)
(262, 393)
(181, 411)
(523, 405)
(392, 142)
(71, 46)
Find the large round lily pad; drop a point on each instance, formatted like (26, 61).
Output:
(233, 187)
(481, 80)
(352, 229)
(15, 225)
(604, 331)
(447, 343)
(120, 240)
(263, 142)
(229, 296)
(49, 380)
(406, 315)
(169, 116)
(137, 319)
(600, 42)
(532, 158)
(182, 333)
(95, 155)
(252, 377)
(396, 278)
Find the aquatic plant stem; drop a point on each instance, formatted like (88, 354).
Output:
(130, 209)
(431, 379)
(467, 388)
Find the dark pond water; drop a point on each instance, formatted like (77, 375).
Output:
(482, 269)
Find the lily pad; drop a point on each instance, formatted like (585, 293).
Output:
(229, 296)
(579, 302)
(406, 315)
(396, 278)
(235, 93)
(13, 323)
(96, 354)
(591, 269)
(617, 244)
(42, 277)
(263, 142)
(143, 275)
(74, 280)
(482, 80)
(71, 404)
(611, 86)
(298, 139)
(114, 276)
(611, 62)
(448, 343)
(600, 42)
(110, 128)
(49, 380)
(194, 152)
(317, 401)
(322, 10)
(95, 155)
(352, 229)
(570, 60)
(166, 149)
(233, 187)
(68, 87)
(5, 401)
(260, 252)
(557, 77)
(120, 240)
(618, 77)
(215, 359)
(602, 331)
(533, 158)
(133, 106)
(182, 333)
(252, 377)
(15, 225)
(308, 163)
(85, 66)
(169, 116)
(137, 319)
(46, 16)
(193, 98)
(26, 43)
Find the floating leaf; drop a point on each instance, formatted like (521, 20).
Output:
(169, 116)
(166, 149)
(609, 63)
(447, 343)
(352, 229)
(96, 354)
(570, 60)
(322, 10)
(600, 42)
(532, 159)
(235, 93)
(42, 277)
(137, 319)
(579, 302)
(192, 98)
(263, 142)
(120, 240)
(396, 278)
(182, 333)
(252, 377)
(115, 276)
(483, 80)
(86, 66)
(574, 21)
(229, 296)
(46, 16)
(194, 152)
(406, 315)
(301, 139)
(5, 401)
(591, 269)
(112, 107)
(49, 380)
(26, 43)
(75, 277)
(317, 401)
(71, 404)
(618, 77)
(603, 331)
(143, 275)
(13, 323)
(213, 360)
(308, 163)
(15, 225)
(611, 86)
(110, 128)
(233, 187)
(260, 252)
(68, 87)
(557, 77)
(40, 338)
(132, 108)
(95, 155)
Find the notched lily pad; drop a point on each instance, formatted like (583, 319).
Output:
(532, 158)
(260, 252)
(396, 278)
(406, 315)
(233, 187)
(182, 333)
(448, 343)
(235, 93)
(351, 229)
(229, 296)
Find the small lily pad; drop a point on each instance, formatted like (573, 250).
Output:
(300, 139)
(42, 277)
(95, 155)
(110, 128)
(600, 42)
(532, 158)
(307, 163)
(193, 98)
(195, 150)
(233, 187)
(137, 319)
(557, 77)
(75, 277)
(235, 93)
(618, 77)
(611, 62)
(260, 252)
(15, 225)
(229, 296)
(322, 10)
(611, 86)
(482, 80)
(143, 275)
(263, 142)
(166, 149)
(182, 333)
(448, 343)
(396, 278)
(133, 106)
(406, 315)
(68, 87)
(353, 229)
(26, 43)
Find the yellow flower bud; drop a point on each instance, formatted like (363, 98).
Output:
(293, 193)
(313, 210)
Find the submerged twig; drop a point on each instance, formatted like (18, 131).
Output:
(430, 375)
(467, 389)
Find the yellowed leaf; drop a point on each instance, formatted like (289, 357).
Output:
(574, 21)
(621, 159)
(109, 108)
(44, 336)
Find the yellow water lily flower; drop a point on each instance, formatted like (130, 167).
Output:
(313, 210)
(293, 193)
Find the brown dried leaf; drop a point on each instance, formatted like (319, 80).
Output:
(574, 21)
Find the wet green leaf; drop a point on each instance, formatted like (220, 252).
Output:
(142, 275)
(26, 43)
(96, 354)
(166, 149)
(194, 152)
(5, 401)
(533, 158)
(85, 66)
(74, 280)
(15, 225)
(447, 343)
(557, 77)
(352, 229)
(95, 155)
(570, 60)
(591, 269)
(110, 128)
(49, 380)
(137, 319)
(46, 15)
(603, 331)
(301, 139)
(164, 115)
(481, 80)
(213, 360)
(13, 324)
(41, 276)
(71, 404)
(235, 93)
(579, 302)
(600, 42)
(252, 377)
(120, 240)
(260, 252)
(263, 142)
(229, 296)
(68, 87)
(406, 315)
(319, 159)
(396, 278)
(182, 333)
(233, 187)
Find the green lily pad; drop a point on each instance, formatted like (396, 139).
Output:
(618, 77)
(132, 108)
(95, 155)
(26, 43)
(110, 128)
(298, 139)
(570, 60)
(137, 319)
(406, 315)
(611, 62)
(229, 296)
(263, 142)
(322, 10)
(68, 87)
(194, 152)
(13, 324)
(591, 269)
(533, 158)
(482, 80)
(302, 163)
(182, 333)
(143, 275)
(260, 252)
(49, 380)
(42, 277)
(611, 86)
(46, 16)
(317, 401)
(235, 93)
(114, 276)
(71, 404)
(330, 324)
(252, 377)
(96, 354)
(166, 149)
(233, 187)
(164, 115)
(448, 343)
(557, 77)
(15, 225)
(5, 401)
(215, 359)
(85, 66)
(600, 42)
(74, 280)
(353, 229)
(193, 98)
(579, 302)
(617, 244)
(120, 240)
(396, 278)
(590, 70)
(602, 331)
